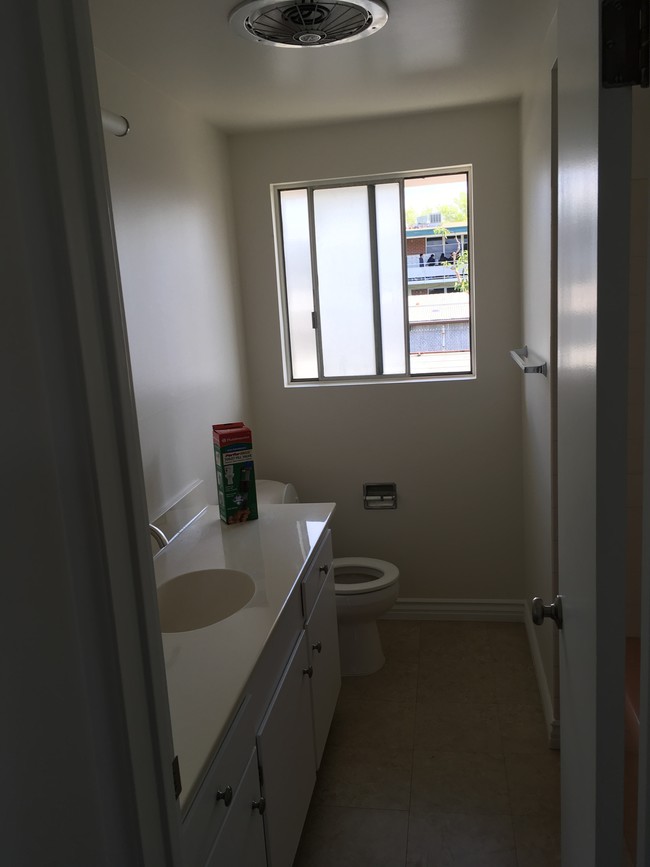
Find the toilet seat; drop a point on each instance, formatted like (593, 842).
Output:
(369, 575)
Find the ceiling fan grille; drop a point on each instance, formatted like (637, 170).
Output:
(310, 23)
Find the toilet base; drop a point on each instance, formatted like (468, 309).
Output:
(360, 648)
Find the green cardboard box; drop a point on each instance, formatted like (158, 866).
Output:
(233, 457)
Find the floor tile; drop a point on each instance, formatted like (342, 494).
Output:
(473, 783)
(372, 724)
(353, 837)
(396, 681)
(400, 639)
(456, 641)
(458, 840)
(516, 684)
(457, 681)
(523, 728)
(351, 777)
(457, 727)
(391, 754)
(445, 747)
(538, 840)
(508, 641)
(534, 783)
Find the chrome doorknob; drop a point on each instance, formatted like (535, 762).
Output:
(540, 611)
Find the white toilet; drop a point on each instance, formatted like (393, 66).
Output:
(365, 589)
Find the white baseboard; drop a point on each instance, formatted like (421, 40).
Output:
(552, 724)
(457, 609)
(508, 610)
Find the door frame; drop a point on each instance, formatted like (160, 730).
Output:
(65, 303)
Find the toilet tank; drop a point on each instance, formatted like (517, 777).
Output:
(275, 492)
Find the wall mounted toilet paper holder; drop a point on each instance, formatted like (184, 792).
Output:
(380, 495)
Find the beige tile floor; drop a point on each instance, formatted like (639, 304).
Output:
(440, 759)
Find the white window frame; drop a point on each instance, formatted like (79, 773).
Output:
(368, 180)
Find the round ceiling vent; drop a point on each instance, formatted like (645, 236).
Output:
(310, 23)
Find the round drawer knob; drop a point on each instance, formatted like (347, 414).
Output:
(225, 796)
(308, 671)
(324, 569)
(318, 647)
(260, 805)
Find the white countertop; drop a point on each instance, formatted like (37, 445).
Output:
(207, 669)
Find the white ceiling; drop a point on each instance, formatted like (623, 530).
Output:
(431, 54)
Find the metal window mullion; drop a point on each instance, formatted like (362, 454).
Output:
(314, 282)
(283, 286)
(405, 291)
(470, 271)
(374, 278)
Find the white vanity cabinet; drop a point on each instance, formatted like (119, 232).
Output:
(292, 737)
(251, 805)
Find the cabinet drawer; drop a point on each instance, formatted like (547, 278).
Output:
(209, 810)
(315, 577)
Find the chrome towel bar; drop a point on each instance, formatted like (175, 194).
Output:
(528, 361)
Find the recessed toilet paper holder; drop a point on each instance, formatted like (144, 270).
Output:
(380, 495)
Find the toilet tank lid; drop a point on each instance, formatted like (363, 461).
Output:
(275, 492)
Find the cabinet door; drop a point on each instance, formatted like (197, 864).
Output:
(323, 638)
(285, 746)
(241, 839)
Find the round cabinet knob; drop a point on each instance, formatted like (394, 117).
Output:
(318, 647)
(225, 796)
(308, 671)
(324, 569)
(260, 805)
(553, 611)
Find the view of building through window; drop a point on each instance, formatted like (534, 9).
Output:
(437, 265)
(375, 277)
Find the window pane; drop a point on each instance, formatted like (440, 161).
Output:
(391, 288)
(298, 283)
(345, 281)
(437, 253)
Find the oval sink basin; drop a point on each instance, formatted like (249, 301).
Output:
(195, 600)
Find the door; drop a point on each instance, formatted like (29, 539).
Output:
(241, 839)
(323, 648)
(285, 746)
(593, 186)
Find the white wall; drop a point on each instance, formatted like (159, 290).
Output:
(454, 448)
(536, 323)
(172, 210)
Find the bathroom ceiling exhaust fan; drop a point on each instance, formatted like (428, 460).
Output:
(308, 24)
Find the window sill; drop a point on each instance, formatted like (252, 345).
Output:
(401, 380)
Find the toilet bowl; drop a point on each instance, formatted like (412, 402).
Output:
(365, 588)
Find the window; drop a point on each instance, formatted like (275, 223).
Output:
(375, 277)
